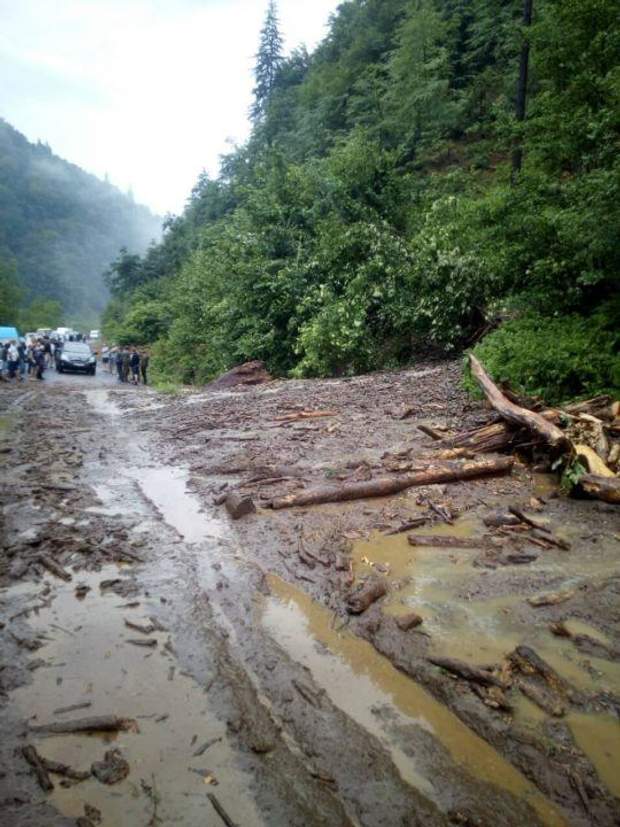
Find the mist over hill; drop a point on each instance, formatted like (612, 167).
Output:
(60, 227)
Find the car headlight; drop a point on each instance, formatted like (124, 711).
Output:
(92, 359)
(64, 358)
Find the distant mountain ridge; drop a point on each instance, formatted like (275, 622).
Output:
(62, 226)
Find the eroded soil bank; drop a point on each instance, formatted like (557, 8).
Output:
(229, 644)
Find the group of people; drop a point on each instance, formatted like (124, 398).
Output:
(131, 364)
(18, 358)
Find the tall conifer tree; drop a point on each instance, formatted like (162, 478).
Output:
(268, 61)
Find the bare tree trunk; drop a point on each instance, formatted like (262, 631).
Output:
(517, 155)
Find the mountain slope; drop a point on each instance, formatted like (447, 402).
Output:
(61, 227)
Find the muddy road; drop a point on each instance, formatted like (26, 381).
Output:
(251, 696)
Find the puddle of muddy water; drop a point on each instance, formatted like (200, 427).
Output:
(357, 678)
(166, 488)
(96, 664)
(486, 629)
(483, 629)
(599, 737)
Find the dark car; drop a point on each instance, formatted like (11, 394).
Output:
(76, 356)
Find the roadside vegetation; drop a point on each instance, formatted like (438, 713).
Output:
(407, 189)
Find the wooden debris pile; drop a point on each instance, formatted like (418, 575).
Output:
(581, 439)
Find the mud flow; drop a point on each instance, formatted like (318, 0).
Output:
(221, 656)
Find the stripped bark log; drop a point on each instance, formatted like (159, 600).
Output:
(534, 422)
(603, 488)
(469, 673)
(448, 472)
(591, 460)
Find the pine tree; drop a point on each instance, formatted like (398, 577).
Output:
(268, 62)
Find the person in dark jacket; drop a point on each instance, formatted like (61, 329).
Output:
(119, 363)
(126, 358)
(39, 360)
(134, 362)
(144, 364)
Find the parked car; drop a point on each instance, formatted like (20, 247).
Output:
(76, 356)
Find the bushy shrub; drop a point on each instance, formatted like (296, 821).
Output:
(555, 358)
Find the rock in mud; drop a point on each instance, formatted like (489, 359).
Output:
(250, 373)
(239, 505)
(409, 621)
(112, 769)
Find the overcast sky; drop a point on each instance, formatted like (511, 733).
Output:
(147, 91)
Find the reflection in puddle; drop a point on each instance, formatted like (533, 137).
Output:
(118, 678)
(166, 488)
(358, 678)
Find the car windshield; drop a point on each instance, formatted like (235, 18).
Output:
(76, 349)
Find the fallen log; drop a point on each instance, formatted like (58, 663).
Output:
(603, 488)
(526, 518)
(301, 415)
(484, 440)
(415, 523)
(220, 810)
(36, 762)
(434, 434)
(443, 541)
(384, 487)
(365, 596)
(54, 568)
(515, 414)
(100, 723)
(64, 770)
(469, 673)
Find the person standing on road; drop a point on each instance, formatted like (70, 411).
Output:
(39, 360)
(12, 358)
(144, 364)
(3, 353)
(118, 361)
(134, 361)
(126, 360)
(47, 350)
(21, 351)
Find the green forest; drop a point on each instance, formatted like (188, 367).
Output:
(59, 229)
(437, 175)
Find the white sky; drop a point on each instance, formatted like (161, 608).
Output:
(147, 91)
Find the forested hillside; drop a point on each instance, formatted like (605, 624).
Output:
(59, 230)
(436, 172)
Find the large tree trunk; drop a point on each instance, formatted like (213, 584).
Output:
(384, 487)
(535, 422)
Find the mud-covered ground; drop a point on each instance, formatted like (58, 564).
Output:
(127, 590)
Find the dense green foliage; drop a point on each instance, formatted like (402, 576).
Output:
(373, 214)
(59, 229)
(555, 358)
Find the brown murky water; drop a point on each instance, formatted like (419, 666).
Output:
(486, 629)
(173, 712)
(357, 678)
